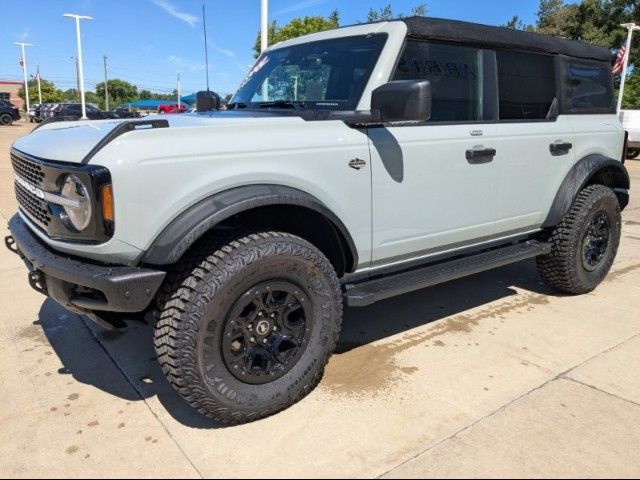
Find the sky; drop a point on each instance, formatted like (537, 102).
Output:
(148, 42)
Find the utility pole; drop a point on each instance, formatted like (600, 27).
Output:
(39, 87)
(24, 71)
(631, 27)
(106, 85)
(178, 90)
(77, 18)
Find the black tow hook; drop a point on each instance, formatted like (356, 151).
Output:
(10, 242)
(37, 282)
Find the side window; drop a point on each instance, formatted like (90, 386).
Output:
(455, 73)
(590, 86)
(526, 85)
(5, 96)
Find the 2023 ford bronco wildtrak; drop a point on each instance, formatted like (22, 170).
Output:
(351, 165)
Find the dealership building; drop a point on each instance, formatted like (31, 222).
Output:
(9, 92)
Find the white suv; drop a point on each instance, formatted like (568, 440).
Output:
(351, 165)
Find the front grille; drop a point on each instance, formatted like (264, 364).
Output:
(32, 205)
(27, 169)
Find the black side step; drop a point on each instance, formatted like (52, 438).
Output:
(370, 291)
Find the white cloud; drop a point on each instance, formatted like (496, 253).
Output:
(298, 6)
(183, 64)
(223, 51)
(172, 10)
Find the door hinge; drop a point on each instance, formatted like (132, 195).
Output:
(357, 163)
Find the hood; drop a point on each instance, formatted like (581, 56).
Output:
(73, 141)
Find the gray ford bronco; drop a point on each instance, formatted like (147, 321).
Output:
(351, 165)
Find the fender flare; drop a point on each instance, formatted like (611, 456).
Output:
(579, 176)
(197, 220)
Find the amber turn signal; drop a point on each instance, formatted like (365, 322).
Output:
(107, 203)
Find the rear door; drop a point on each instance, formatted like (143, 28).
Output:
(536, 145)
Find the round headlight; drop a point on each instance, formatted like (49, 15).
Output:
(79, 216)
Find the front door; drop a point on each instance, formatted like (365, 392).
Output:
(435, 185)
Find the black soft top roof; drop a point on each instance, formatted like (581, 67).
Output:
(455, 30)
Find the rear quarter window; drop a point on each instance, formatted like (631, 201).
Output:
(589, 86)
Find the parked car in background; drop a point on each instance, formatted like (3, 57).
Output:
(34, 113)
(46, 110)
(631, 123)
(73, 111)
(172, 108)
(125, 113)
(9, 113)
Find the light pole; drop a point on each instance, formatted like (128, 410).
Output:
(24, 71)
(80, 70)
(264, 40)
(631, 27)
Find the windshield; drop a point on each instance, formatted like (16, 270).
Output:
(328, 74)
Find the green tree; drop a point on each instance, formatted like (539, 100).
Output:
(50, 94)
(386, 13)
(516, 23)
(119, 91)
(631, 100)
(298, 27)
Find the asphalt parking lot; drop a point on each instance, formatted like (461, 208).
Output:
(493, 375)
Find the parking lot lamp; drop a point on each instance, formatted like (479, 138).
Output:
(23, 62)
(80, 69)
(631, 27)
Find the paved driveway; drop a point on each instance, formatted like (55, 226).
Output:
(492, 375)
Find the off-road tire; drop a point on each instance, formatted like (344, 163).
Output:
(6, 119)
(196, 299)
(563, 268)
(633, 153)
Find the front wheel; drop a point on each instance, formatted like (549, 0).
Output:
(245, 327)
(584, 243)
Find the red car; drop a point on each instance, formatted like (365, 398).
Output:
(172, 108)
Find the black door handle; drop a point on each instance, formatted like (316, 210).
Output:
(481, 155)
(560, 148)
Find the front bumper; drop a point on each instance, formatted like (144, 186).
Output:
(82, 286)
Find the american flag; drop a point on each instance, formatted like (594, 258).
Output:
(618, 65)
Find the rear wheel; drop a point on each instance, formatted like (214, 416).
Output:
(585, 243)
(245, 327)
(633, 153)
(6, 119)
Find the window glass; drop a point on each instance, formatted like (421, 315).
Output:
(455, 73)
(526, 85)
(326, 75)
(4, 96)
(590, 86)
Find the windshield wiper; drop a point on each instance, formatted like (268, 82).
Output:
(236, 105)
(283, 104)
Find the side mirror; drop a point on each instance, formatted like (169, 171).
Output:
(207, 101)
(403, 101)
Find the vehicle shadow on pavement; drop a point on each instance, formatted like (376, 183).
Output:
(132, 372)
